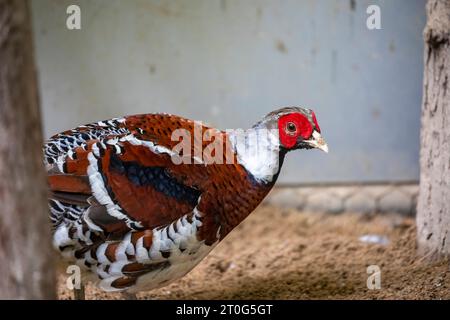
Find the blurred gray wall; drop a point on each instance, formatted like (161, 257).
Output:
(230, 62)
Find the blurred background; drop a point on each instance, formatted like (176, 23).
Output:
(229, 62)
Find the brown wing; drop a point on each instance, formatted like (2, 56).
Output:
(132, 186)
(126, 177)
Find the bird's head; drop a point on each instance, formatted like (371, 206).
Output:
(297, 128)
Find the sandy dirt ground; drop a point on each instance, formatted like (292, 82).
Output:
(285, 254)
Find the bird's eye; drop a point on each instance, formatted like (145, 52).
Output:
(291, 127)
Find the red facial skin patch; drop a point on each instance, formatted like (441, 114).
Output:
(303, 129)
(316, 124)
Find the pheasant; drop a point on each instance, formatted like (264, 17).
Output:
(135, 209)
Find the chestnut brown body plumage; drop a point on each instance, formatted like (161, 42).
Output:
(136, 212)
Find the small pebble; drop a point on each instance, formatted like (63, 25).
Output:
(374, 238)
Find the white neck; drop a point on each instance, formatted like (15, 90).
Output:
(258, 151)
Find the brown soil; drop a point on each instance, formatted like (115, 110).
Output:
(284, 254)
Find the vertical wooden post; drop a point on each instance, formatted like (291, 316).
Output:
(26, 257)
(433, 211)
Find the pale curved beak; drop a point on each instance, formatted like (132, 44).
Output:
(317, 142)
